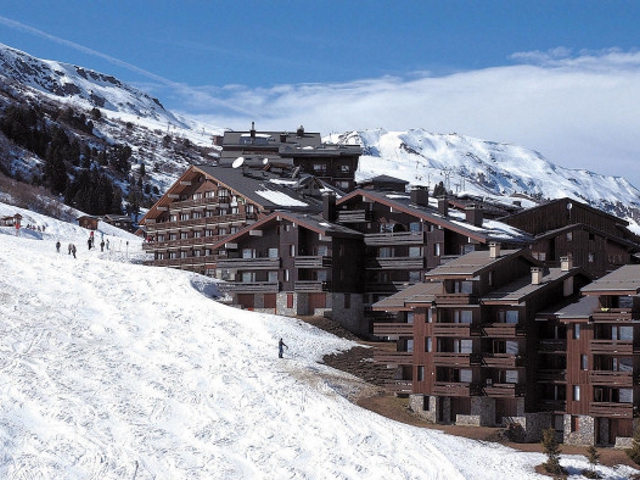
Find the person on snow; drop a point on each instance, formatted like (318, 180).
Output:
(72, 249)
(58, 246)
(89, 243)
(281, 347)
(102, 246)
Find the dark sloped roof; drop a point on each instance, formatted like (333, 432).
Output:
(414, 294)
(623, 281)
(473, 263)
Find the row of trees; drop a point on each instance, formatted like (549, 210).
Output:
(81, 172)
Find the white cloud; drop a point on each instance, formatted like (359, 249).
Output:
(579, 111)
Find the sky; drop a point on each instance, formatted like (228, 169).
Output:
(559, 77)
(111, 369)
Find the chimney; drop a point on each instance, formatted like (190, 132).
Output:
(329, 206)
(566, 263)
(253, 130)
(420, 195)
(443, 205)
(300, 131)
(283, 138)
(536, 275)
(474, 215)
(494, 250)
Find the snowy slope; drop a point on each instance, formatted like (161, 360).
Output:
(113, 370)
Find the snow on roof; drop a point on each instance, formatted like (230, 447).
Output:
(280, 198)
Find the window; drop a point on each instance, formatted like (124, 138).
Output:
(322, 250)
(415, 227)
(590, 257)
(420, 373)
(387, 227)
(292, 250)
(462, 286)
(415, 251)
(415, 277)
(184, 235)
(248, 253)
(273, 277)
(428, 345)
(184, 216)
(584, 362)
(466, 375)
(319, 168)
(345, 169)
(410, 317)
(511, 376)
(289, 299)
(409, 345)
(385, 252)
(576, 393)
(508, 316)
(569, 236)
(436, 249)
(273, 253)
(286, 275)
(462, 316)
(248, 277)
(576, 331)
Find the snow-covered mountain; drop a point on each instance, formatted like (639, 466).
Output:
(484, 168)
(167, 144)
(111, 370)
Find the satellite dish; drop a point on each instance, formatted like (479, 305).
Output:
(265, 161)
(237, 163)
(569, 206)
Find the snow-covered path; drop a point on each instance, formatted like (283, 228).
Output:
(113, 370)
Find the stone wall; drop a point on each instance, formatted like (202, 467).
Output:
(417, 406)
(584, 434)
(351, 318)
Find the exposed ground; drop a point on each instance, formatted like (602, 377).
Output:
(359, 362)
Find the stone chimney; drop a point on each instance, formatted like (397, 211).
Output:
(474, 215)
(420, 195)
(566, 263)
(536, 275)
(329, 206)
(443, 206)
(494, 250)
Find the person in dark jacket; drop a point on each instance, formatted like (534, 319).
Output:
(281, 347)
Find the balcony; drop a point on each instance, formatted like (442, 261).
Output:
(450, 359)
(504, 390)
(393, 329)
(552, 376)
(549, 405)
(611, 347)
(393, 358)
(552, 346)
(313, 262)
(312, 286)
(501, 360)
(399, 387)
(611, 409)
(502, 330)
(250, 287)
(262, 263)
(455, 389)
(457, 330)
(611, 378)
(354, 216)
(452, 299)
(396, 263)
(396, 238)
(614, 315)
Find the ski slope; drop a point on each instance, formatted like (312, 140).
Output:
(113, 370)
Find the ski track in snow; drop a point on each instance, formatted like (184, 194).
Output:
(113, 370)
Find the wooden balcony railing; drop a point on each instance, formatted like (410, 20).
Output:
(456, 299)
(455, 389)
(450, 359)
(312, 262)
(614, 315)
(459, 330)
(549, 405)
(611, 378)
(354, 216)
(249, 287)
(262, 263)
(392, 358)
(611, 347)
(611, 409)
(394, 238)
(393, 328)
(502, 330)
(312, 286)
(396, 263)
(501, 360)
(504, 390)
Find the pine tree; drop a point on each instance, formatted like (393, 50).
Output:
(634, 452)
(551, 449)
(594, 459)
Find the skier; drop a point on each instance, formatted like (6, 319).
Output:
(281, 347)
(58, 246)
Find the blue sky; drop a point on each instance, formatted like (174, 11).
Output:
(560, 77)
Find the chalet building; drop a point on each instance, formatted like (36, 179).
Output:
(602, 373)
(296, 152)
(121, 221)
(468, 339)
(408, 234)
(209, 203)
(294, 264)
(595, 240)
(88, 221)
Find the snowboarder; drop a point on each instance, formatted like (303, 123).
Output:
(281, 347)
(58, 246)
(72, 249)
